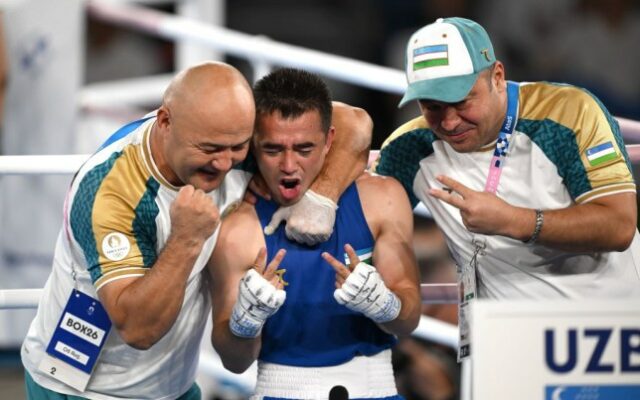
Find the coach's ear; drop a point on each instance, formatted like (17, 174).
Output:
(498, 77)
(163, 120)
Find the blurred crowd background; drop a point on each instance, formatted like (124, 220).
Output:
(591, 43)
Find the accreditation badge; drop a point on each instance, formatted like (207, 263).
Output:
(77, 341)
(467, 293)
(467, 288)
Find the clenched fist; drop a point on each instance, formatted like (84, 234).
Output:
(194, 215)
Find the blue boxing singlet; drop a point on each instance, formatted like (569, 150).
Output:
(311, 329)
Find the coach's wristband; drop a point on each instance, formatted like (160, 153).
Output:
(538, 228)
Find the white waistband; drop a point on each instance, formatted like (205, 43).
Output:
(363, 377)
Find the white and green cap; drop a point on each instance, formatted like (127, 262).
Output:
(444, 59)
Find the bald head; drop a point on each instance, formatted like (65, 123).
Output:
(204, 125)
(207, 88)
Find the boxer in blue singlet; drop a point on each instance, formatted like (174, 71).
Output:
(315, 317)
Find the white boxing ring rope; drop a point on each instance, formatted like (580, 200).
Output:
(429, 328)
(69, 164)
(15, 299)
(41, 164)
(254, 48)
(258, 50)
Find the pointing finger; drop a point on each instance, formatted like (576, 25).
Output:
(340, 268)
(270, 271)
(353, 257)
(447, 197)
(455, 186)
(260, 261)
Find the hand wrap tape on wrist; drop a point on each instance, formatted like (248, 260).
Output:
(364, 291)
(242, 325)
(257, 301)
(390, 309)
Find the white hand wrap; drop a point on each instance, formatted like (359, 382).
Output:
(257, 300)
(309, 221)
(364, 291)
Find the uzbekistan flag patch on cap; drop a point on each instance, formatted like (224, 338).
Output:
(601, 154)
(430, 56)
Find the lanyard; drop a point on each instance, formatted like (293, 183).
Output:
(467, 274)
(502, 144)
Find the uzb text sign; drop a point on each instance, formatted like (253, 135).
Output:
(560, 350)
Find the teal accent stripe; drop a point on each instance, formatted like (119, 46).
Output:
(144, 223)
(82, 213)
(559, 144)
(401, 158)
(368, 252)
(368, 260)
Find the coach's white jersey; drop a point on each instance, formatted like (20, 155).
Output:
(551, 165)
(116, 223)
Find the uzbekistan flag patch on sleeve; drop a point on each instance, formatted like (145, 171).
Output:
(601, 154)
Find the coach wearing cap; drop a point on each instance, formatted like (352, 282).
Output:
(530, 182)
